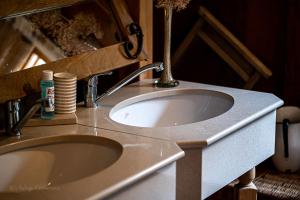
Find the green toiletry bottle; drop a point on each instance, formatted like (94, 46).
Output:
(47, 95)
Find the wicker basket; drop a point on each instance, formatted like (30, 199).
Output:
(278, 186)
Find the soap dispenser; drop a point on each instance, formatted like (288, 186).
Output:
(47, 95)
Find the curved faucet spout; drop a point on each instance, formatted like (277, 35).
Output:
(157, 66)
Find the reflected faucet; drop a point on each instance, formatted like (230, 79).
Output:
(91, 99)
(13, 123)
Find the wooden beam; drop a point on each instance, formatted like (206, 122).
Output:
(13, 8)
(124, 19)
(229, 49)
(83, 65)
(231, 62)
(186, 42)
(146, 23)
(252, 80)
(41, 42)
(244, 51)
(8, 40)
(142, 13)
(18, 55)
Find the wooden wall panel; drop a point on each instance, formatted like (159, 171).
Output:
(142, 12)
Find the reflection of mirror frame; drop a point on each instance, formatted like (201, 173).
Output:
(105, 59)
(14, 8)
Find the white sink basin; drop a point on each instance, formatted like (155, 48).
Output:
(223, 131)
(171, 108)
(39, 163)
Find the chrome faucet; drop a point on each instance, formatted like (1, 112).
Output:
(92, 99)
(13, 123)
(91, 90)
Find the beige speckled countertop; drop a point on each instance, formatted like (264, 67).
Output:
(140, 157)
(144, 149)
(247, 107)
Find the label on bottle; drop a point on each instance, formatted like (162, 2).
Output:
(49, 99)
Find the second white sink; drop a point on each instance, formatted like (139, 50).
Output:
(171, 108)
(41, 163)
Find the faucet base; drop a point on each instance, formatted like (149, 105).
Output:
(168, 84)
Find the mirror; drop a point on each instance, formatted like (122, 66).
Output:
(128, 50)
(44, 37)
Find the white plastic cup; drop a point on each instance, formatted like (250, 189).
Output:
(65, 92)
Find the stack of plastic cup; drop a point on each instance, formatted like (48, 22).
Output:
(65, 92)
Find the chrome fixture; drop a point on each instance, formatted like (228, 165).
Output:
(91, 90)
(91, 95)
(13, 123)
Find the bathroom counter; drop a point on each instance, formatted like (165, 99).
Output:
(217, 150)
(248, 106)
(226, 146)
(140, 158)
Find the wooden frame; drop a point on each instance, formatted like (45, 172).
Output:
(18, 84)
(227, 46)
(142, 12)
(14, 8)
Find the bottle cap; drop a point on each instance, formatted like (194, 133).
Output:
(47, 75)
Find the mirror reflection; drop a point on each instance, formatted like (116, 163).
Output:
(44, 37)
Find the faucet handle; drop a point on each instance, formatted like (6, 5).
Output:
(93, 79)
(17, 127)
(12, 115)
(13, 122)
(91, 89)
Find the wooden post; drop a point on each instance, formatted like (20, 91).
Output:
(146, 23)
(246, 190)
(142, 13)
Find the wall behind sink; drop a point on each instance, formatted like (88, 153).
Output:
(268, 28)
